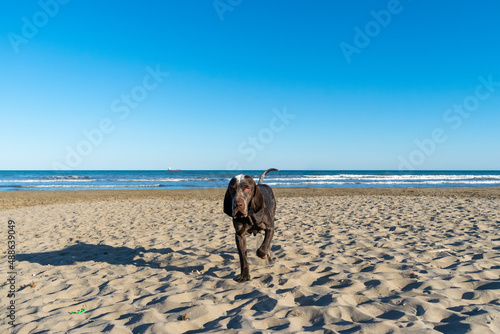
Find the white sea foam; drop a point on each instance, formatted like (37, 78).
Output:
(462, 182)
(387, 178)
(47, 180)
(93, 186)
(152, 180)
(219, 179)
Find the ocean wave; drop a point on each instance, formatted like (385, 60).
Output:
(219, 179)
(66, 177)
(47, 180)
(465, 182)
(151, 180)
(285, 179)
(191, 179)
(373, 177)
(94, 186)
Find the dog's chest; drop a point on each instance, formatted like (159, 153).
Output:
(255, 225)
(251, 225)
(254, 229)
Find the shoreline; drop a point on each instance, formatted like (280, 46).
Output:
(19, 199)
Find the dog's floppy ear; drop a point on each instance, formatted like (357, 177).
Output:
(257, 203)
(228, 204)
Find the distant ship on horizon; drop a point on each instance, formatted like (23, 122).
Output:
(173, 169)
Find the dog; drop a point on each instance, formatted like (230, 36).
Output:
(252, 207)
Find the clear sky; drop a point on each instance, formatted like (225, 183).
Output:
(240, 84)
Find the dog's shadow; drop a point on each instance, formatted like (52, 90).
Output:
(83, 252)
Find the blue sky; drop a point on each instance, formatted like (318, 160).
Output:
(238, 84)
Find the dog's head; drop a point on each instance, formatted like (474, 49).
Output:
(242, 194)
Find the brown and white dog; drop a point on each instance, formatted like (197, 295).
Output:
(252, 207)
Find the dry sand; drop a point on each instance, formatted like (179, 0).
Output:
(345, 261)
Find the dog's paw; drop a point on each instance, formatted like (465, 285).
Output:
(242, 278)
(262, 254)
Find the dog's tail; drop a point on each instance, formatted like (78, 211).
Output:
(261, 180)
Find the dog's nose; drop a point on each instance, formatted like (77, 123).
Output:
(239, 204)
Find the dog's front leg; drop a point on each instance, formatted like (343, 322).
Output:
(265, 249)
(241, 243)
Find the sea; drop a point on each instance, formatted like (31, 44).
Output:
(193, 179)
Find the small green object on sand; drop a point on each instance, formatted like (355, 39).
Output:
(78, 312)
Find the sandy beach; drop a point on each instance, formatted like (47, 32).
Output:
(345, 261)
